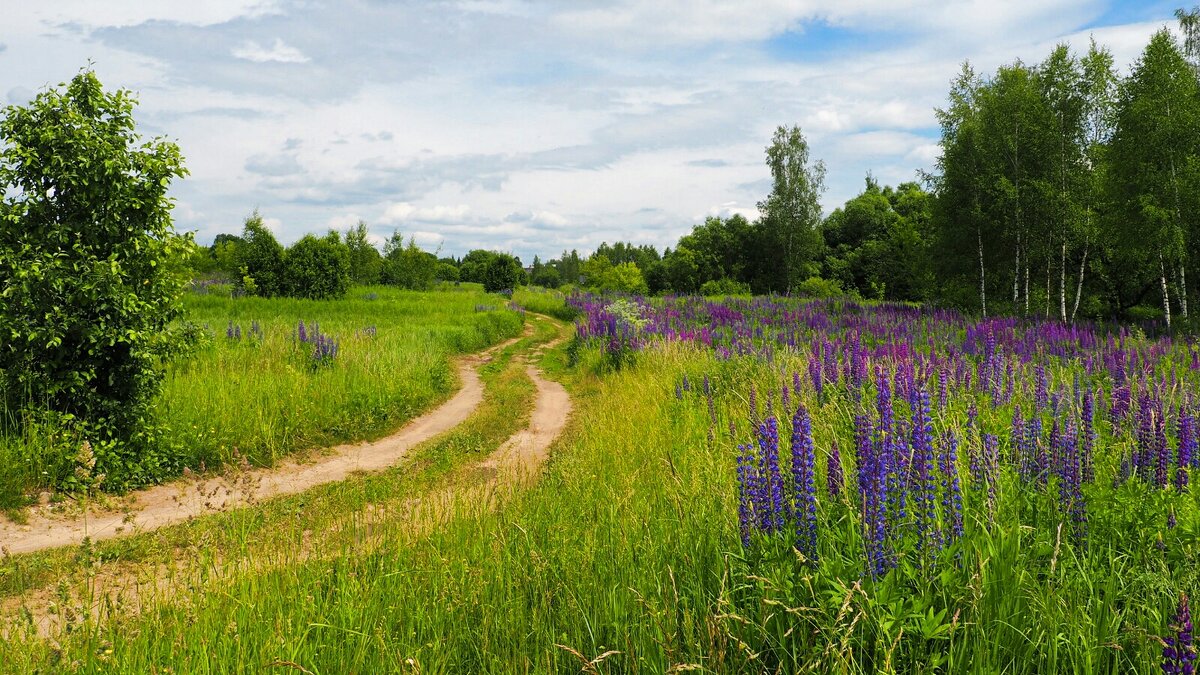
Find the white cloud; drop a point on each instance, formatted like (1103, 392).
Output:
(277, 53)
(404, 212)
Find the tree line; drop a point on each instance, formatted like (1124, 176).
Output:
(1062, 189)
(255, 263)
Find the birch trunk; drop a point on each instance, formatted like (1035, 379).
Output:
(982, 284)
(1079, 285)
(1062, 285)
(1162, 277)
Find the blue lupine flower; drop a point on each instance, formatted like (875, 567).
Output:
(804, 483)
(1179, 653)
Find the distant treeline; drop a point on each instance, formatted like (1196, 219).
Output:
(1062, 189)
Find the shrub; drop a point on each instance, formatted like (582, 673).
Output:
(724, 287)
(260, 257)
(502, 272)
(90, 271)
(816, 287)
(317, 269)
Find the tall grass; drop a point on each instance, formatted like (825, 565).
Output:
(262, 395)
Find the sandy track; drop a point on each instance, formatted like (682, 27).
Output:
(182, 500)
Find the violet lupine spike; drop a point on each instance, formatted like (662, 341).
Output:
(872, 487)
(804, 483)
(923, 468)
(1087, 436)
(814, 373)
(1162, 451)
(991, 463)
(834, 477)
(1179, 651)
(1187, 449)
(785, 400)
(771, 515)
(746, 492)
(951, 488)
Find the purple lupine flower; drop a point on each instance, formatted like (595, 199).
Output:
(991, 463)
(872, 486)
(923, 468)
(834, 478)
(1179, 653)
(814, 372)
(804, 483)
(678, 392)
(951, 489)
(1186, 449)
(747, 481)
(784, 398)
(1040, 391)
(687, 384)
(771, 514)
(1161, 449)
(301, 332)
(1087, 433)
(753, 406)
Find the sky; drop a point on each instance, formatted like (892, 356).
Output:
(533, 127)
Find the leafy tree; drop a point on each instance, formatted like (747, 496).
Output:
(1154, 172)
(793, 209)
(503, 272)
(226, 252)
(89, 279)
(366, 265)
(408, 266)
(683, 270)
(446, 272)
(317, 269)
(545, 276)
(960, 185)
(260, 260)
(474, 265)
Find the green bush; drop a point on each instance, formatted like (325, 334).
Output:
(317, 269)
(260, 257)
(816, 287)
(503, 272)
(724, 287)
(90, 273)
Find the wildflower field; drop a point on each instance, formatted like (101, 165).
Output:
(762, 485)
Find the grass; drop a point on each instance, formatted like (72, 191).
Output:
(319, 524)
(626, 557)
(262, 397)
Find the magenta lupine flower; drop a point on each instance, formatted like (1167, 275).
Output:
(804, 484)
(1179, 653)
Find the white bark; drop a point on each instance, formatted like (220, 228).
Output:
(1062, 285)
(1162, 277)
(982, 284)
(1079, 284)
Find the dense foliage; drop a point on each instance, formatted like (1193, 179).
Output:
(88, 284)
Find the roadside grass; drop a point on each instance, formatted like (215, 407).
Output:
(263, 396)
(624, 557)
(327, 522)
